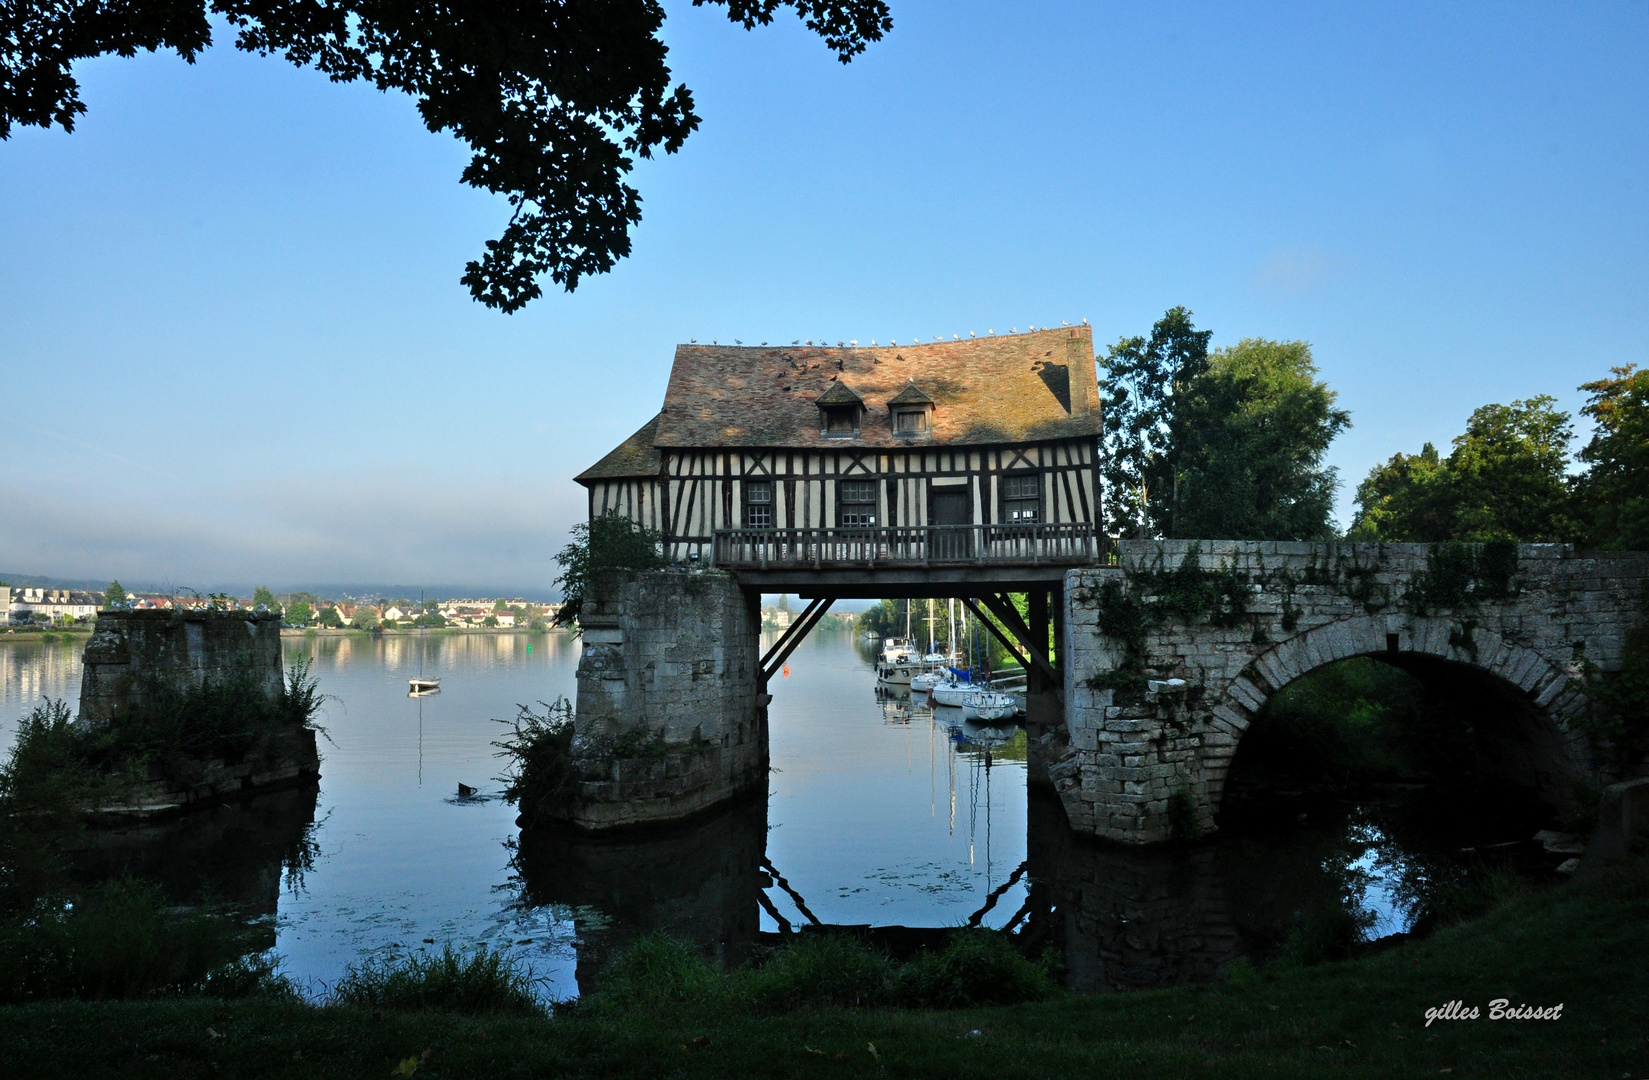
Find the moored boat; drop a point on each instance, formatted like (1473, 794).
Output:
(988, 705)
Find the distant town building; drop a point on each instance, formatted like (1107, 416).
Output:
(41, 605)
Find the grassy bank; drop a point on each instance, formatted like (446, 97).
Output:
(1582, 945)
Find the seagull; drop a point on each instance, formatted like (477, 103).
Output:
(991, 332)
(764, 343)
(736, 341)
(713, 341)
(1013, 329)
(798, 341)
(893, 341)
(692, 341)
(972, 334)
(854, 342)
(839, 344)
(810, 341)
(1062, 322)
(1084, 322)
(873, 341)
(956, 337)
(917, 340)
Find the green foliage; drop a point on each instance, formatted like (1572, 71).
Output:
(114, 594)
(555, 101)
(330, 619)
(484, 981)
(366, 618)
(886, 618)
(172, 729)
(433, 620)
(300, 613)
(122, 940)
(540, 778)
(818, 970)
(1459, 575)
(609, 542)
(1506, 479)
(1144, 380)
(1620, 722)
(1613, 495)
(658, 974)
(1157, 596)
(1250, 433)
(978, 967)
(262, 595)
(1325, 932)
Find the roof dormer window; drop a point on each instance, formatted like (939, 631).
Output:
(912, 412)
(840, 410)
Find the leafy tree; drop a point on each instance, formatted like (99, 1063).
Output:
(1613, 496)
(1143, 378)
(556, 100)
(262, 595)
(610, 542)
(432, 619)
(490, 620)
(300, 613)
(1504, 479)
(500, 604)
(330, 619)
(366, 618)
(1247, 439)
(114, 594)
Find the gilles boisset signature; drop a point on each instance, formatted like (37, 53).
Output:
(1499, 1009)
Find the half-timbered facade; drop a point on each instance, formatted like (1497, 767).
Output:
(959, 447)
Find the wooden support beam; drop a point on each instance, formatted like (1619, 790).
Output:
(793, 637)
(996, 631)
(806, 614)
(1003, 609)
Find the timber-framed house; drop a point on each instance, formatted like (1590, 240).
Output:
(958, 452)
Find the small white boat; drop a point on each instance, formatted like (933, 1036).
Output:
(950, 691)
(988, 705)
(419, 686)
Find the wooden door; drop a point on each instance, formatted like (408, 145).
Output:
(950, 506)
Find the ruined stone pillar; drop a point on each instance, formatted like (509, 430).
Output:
(670, 719)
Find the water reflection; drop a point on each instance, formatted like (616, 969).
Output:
(881, 813)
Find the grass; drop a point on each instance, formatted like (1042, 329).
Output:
(1581, 945)
(480, 982)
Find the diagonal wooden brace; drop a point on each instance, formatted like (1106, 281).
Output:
(996, 631)
(1004, 610)
(781, 650)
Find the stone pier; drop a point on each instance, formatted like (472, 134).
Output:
(671, 718)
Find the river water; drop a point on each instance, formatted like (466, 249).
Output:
(878, 814)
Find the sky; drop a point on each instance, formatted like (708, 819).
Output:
(234, 348)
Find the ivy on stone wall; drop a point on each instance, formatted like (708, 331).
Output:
(1460, 575)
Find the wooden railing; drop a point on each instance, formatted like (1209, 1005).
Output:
(929, 545)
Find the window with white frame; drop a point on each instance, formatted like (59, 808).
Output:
(758, 504)
(856, 503)
(1022, 498)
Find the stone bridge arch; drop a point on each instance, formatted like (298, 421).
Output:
(1159, 690)
(1544, 702)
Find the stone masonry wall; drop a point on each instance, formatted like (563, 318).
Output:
(1137, 756)
(668, 720)
(130, 652)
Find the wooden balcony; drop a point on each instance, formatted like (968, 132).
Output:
(908, 557)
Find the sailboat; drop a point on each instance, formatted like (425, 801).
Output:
(419, 686)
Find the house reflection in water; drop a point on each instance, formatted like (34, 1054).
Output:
(701, 882)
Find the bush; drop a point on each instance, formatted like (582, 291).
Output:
(657, 972)
(484, 981)
(122, 940)
(540, 779)
(819, 969)
(1327, 931)
(609, 542)
(979, 967)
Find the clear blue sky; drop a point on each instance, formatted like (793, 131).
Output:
(235, 348)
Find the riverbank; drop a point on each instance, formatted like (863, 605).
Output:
(1580, 945)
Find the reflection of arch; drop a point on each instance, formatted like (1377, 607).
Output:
(1546, 691)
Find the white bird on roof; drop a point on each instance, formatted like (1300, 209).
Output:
(1013, 329)
(764, 343)
(810, 341)
(854, 342)
(715, 341)
(893, 341)
(692, 341)
(873, 341)
(991, 332)
(917, 340)
(1062, 322)
(839, 344)
(1084, 322)
(956, 337)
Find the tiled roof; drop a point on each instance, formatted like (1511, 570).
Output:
(1013, 388)
(634, 456)
(910, 395)
(839, 394)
